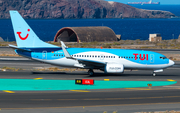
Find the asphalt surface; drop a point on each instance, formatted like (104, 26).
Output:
(147, 99)
(94, 101)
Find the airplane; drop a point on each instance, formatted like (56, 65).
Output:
(108, 60)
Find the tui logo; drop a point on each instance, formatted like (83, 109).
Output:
(23, 38)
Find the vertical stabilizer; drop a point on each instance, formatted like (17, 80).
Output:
(25, 36)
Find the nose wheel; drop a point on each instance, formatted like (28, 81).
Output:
(91, 72)
(154, 74)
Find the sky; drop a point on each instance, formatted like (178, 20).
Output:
(163, 2)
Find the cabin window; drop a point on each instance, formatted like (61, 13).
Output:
(95, 56)
(87, 55)
(74, 55)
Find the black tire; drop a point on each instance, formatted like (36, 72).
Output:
(91, 72)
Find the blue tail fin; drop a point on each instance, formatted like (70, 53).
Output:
(25, 36)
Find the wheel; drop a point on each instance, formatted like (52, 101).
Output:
(154, 74)
(91, 72)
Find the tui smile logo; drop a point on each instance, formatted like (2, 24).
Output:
(23, 38)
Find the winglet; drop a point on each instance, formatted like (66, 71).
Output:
(66, 53)
(62, 44)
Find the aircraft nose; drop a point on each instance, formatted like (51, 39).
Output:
(171, 62)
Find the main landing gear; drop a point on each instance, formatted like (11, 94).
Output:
(91, 72)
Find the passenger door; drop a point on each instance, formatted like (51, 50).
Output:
(44, 55)
(151, 58)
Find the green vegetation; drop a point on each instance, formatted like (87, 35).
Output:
(10, 69)
(55, 69)
(125, 44)
(163, 112)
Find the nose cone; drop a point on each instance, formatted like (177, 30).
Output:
(171, 63)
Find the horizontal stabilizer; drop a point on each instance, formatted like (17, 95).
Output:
(15, 47)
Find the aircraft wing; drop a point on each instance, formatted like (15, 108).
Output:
(91, 63)
(84, 62)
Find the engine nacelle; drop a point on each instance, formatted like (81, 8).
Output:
(114, 68)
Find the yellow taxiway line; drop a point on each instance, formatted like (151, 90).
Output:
(79, 90)
(37, 78)
(137, 88)
(106, 79)
(170, 80)
(8, 91)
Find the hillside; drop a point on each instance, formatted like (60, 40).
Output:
(77, 9)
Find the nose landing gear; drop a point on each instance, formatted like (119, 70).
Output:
(156, 71)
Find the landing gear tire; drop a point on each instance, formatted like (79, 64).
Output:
(154, 74)
(91, 72)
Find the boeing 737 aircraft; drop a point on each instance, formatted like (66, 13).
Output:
(107, 60)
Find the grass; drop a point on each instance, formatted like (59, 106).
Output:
(162, 112)
(10, 69)
(55, 69)
(10, 55)
(126, 44)
(122, 44)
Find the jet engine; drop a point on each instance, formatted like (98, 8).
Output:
(114, 68)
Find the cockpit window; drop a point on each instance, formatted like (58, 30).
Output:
(163, 58)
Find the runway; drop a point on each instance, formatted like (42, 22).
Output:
(138, 99)
(94, 101)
